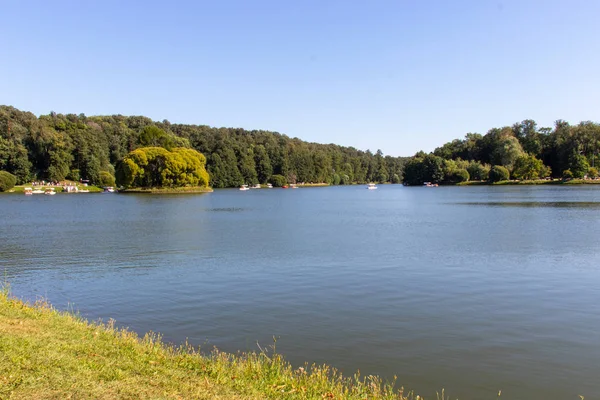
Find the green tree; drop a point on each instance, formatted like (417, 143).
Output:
(7, 181)
(578, 165)
(478, 171)
(264, 169)
(278, 180)
(106, 179)
(156, 167)
(528, 167)
(498, 173)
(592, 173)
(458, 175)
(507, 152)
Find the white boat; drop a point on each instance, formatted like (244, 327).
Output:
(37, 191)
(371, 186)
(28, 191)
(269, 186)
(109, 189)
(50, 192)
(244, 187)
(293, 186)
(257, 186)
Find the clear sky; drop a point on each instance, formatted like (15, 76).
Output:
(399, 76)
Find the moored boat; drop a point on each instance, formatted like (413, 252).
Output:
(50, 192)
(244, 187)
(28, 191)
(371, 186)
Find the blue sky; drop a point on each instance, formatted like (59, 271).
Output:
(399, 76)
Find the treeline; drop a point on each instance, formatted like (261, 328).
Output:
(522, 151)
(55, 147)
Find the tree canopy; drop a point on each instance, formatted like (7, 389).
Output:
(156, 167)
(58, 146)
(524, 150)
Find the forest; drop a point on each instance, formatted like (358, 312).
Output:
(522, 151)
(56, 147)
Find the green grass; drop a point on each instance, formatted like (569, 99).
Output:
(58, 189)
(48, 354)
(313, 184)
(185, 189)
(532, 182)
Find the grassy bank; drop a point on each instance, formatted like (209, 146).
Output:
(312, 184)
(47, 354)
(58, 189)
(533, 182)
(178, 190)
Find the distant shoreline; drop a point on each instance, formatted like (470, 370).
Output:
(532, 182)
(179, 190)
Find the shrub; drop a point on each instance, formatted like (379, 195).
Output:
(592, 173)
(459, 175)
(106, 179)
(74, 175)
(567, 174)
(478, 171)
(7, 181)
(499, 173)
(278, 180)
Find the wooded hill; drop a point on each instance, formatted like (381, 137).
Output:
(56, 147)
(522, 151)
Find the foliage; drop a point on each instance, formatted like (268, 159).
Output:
(7, 181)
(578, 165)
(156, 167)
(458, 175)
(592, 173)
(567, 174)
(478, 171)
(521, 146)
(106, 179)
(498, 173)
(278, 180)
(53, 146)
(528, 167)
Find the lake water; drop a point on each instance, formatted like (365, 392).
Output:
(471, 289)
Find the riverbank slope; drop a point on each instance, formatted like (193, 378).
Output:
(47, 354)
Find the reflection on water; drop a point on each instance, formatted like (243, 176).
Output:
(474, 289)
(575, 204)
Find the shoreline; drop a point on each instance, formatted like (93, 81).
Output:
(531, 182)
(51, 353)
(181, 190)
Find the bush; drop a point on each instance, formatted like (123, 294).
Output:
(567, 174)
(459, 175)
(278, 180)
(592, 173)
(336, 179)
(106, 179)
(478, 171)
(74, 175)
(499, 173)
(7, 181)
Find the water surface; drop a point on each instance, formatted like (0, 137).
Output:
(473, 289)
